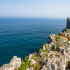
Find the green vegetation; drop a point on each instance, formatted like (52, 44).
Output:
(66, 42)
(46, 55)
(57, 47)
(41, 49)
(15, 69)
(25, 64)
(67, 65)
(37, 67)
(66, 51)
(34, 57)
(57, 37)
(45, 46)
(50, 56)
(52, 48)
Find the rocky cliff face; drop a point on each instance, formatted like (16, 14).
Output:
(68, 23)
(55, 55)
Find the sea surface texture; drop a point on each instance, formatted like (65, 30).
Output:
(22, 36)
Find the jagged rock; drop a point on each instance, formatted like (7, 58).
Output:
(44, 47)
(30, 56)
(30, 68)
(33, 61)
(45, 60)
(14, 63)
(46, 67)
(54, 66)
(41, 54)
(68, 23)
(69, 50)
(51, 38)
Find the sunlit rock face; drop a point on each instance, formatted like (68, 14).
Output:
(14, 63)
(68, 23)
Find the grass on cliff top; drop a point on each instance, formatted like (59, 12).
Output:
(57, 47)
(43, 49)
(25, 64)
(34, 56)
(57, 37)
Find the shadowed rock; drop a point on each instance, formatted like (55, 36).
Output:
(68, 23)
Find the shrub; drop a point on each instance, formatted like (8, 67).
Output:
(66, 51)
(57, 37)
(37, 67)
(34, 57)
(45, 46)
(66, 42)
(50, 56)
(15, 69)
(52, 48)
(25, 64)
(46, 55)
(57, 47)
(41, 50)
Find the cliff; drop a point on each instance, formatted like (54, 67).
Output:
(68, 23)
(55, 55)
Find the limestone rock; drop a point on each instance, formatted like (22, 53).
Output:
(33, 61)
(30, 68)
(14, 63)
(51, 38)
(30, 56)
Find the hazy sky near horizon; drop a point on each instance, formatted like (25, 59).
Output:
(35, 8)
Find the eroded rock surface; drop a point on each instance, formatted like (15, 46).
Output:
(14, 63)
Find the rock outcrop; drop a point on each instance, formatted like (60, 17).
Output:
(14, 63)
(68, 23)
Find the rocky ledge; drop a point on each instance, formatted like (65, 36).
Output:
(14, 64)
(55, 55)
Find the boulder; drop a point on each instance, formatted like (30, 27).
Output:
(14, 63)
(54, 66)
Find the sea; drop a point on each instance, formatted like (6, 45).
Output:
(23, 36)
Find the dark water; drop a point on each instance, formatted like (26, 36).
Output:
(22, 36)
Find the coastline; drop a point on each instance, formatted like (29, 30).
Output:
(52, 56)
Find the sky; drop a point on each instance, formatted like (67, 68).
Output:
(35, 8)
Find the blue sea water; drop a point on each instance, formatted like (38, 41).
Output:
(22, 36)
